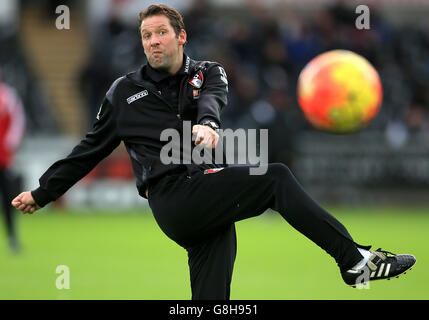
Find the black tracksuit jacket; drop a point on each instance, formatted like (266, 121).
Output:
(133, 111)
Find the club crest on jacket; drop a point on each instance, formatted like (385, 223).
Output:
(197, 80)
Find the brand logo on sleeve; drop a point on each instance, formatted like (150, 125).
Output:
(137, 96)
(223, 75)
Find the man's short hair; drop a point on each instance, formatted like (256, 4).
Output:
(176, 19)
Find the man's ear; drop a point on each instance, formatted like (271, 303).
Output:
(182, 37)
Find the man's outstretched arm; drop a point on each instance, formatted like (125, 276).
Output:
(63, 174)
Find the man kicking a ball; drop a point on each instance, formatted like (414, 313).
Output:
(193, 204)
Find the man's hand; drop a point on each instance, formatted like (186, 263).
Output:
(205, 136)
(25, 203)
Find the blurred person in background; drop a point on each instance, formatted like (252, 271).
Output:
(115, 50)
(197, 205)
(12, 127)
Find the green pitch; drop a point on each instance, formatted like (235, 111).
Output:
(126, 256)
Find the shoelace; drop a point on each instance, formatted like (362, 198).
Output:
(385, 252)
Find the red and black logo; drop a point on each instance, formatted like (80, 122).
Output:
(197, 80)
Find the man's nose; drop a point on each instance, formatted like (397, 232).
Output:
(154, 41)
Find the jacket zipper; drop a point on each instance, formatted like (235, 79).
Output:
(180, 97)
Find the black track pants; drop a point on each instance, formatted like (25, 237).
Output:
(198, 211)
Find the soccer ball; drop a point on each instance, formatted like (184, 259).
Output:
(339, 91)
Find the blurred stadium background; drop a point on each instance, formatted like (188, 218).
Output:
(375, 181)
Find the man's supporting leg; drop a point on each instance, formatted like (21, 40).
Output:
(211, 263)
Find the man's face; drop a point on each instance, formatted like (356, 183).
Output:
(163, 49)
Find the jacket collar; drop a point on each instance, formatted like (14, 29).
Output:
(146, 72)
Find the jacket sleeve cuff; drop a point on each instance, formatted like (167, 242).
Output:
(209, 118)
(41, 196)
